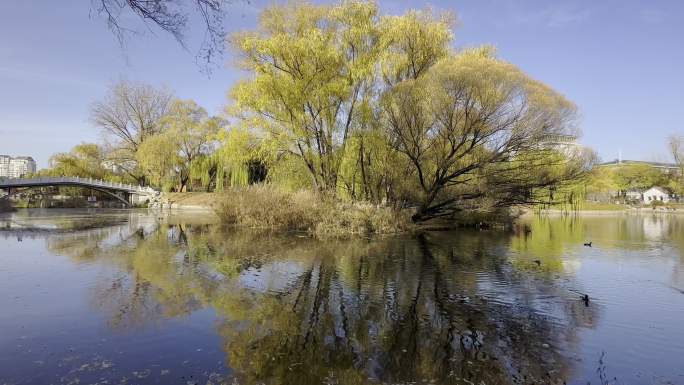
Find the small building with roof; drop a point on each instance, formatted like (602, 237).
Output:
(657, 193)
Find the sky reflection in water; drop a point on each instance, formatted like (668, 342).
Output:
(129, 297)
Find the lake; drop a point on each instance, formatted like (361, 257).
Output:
(131, 297)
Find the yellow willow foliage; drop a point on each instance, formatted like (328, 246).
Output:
(84, 160)
(158, 157)
(415, 42)
(192, 128)
(369, 167)
(315, 66)
(289, 173)
(194, 133)
(473, 127)
(238, 148)
(201, 169)
(601, 180)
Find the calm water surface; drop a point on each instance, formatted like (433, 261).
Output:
(127, 297)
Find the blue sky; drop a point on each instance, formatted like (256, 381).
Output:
(621, 62)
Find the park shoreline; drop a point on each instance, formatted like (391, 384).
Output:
(629, 211)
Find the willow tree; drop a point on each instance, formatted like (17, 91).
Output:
(194, 133)
(313, 67)
(158, 158)
(238, 150)
(473, 128)
(380, 108)
(410, 45)
(237, 158)
(318, 71)
(83, 160)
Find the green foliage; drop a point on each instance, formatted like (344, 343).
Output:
(203, 170)
(87, 160)
(369, 170)
(158, 157)
(472, 127)
(413, 43)
(637, 177)
(315, 75)
(289, 173)
(84, 160)
(238, 148)
(601, 180)
(194, 133)
(629, 176)
(380, 109)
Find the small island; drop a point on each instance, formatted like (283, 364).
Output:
(341, 192)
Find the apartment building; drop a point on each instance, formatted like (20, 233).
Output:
(16, 167)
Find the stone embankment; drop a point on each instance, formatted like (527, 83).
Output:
(157, 201)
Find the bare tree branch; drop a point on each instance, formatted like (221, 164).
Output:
(129, 114)
(171, 16)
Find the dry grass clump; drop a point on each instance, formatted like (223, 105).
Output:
(267, 207)
(341, 219)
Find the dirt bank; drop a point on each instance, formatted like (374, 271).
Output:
(205, 201)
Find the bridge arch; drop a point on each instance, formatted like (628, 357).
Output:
(14, 191)
(115, 190)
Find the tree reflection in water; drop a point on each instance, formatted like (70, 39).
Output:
(397, 310)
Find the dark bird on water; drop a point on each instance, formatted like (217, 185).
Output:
(538, 262)
(584, 297)
(588, 244)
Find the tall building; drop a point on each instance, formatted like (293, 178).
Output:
(5, 165)
(16, 167)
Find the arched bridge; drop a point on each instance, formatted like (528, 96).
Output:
(120, 191)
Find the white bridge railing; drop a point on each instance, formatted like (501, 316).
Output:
(21, 182)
